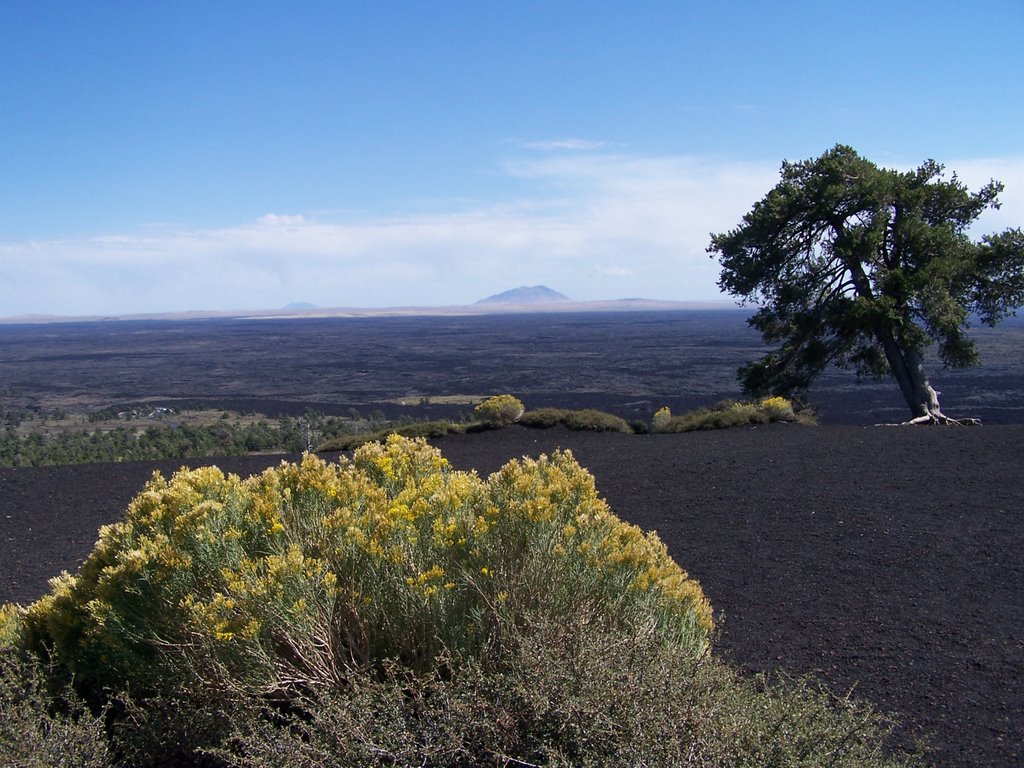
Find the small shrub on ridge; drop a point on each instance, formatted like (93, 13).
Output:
(661, 419)
(591, 420)
(728, 413)
(586, 419)
(436, 428)
(543, 418)
(777, 408)
(500, 411)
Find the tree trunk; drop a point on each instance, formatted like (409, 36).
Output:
(904, 361)
(908, 369)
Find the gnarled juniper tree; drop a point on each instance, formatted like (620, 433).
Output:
(867, 267)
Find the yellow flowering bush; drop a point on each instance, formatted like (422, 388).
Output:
(299, 575)
(10, 626)
(661, 418)
(500, 410)
(777, 408)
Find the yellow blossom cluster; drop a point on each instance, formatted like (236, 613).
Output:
(777, 408)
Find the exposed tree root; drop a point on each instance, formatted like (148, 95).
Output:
(941, 419)
(935, 418)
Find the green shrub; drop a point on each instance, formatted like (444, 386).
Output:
(44, 723)
(11, 629)
(569, 695)
(563, 693)
(587, 419)
(639, 427)
(423, 429)
(661, 419)
(728, 413)
(596, 421)
(177, 729)
(230, 435)
(499, 411)
(543, 418)
(305, 572)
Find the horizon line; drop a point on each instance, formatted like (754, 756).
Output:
(315, 312)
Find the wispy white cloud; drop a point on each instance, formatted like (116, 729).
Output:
(571, 145)
(613, 271)
(1010, 171)
(283, 220)
(592, 225)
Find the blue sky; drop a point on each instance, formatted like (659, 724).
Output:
(161, 157)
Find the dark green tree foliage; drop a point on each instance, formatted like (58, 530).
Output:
(866, 267)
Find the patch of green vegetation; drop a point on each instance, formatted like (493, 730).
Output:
(571, 696)
(147, 433)
(437, 428)
(587, 419)
(731, 413)
(134, 434)
(499, 411)
(543, 418)
(437, 400)
(43, 721)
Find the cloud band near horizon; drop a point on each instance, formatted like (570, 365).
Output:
(591, 224)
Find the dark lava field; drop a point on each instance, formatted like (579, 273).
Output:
(630, 363)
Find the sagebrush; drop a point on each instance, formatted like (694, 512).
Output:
(298, 575)
(584, 420)
(730, 413)
(500, 410)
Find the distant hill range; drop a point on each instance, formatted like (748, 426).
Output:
(524, 300)
(535, 294)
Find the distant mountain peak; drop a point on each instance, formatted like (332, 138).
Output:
(535, 294)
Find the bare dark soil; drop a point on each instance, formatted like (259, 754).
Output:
(886, 561)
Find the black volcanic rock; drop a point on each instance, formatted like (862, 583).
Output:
(537, 294)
